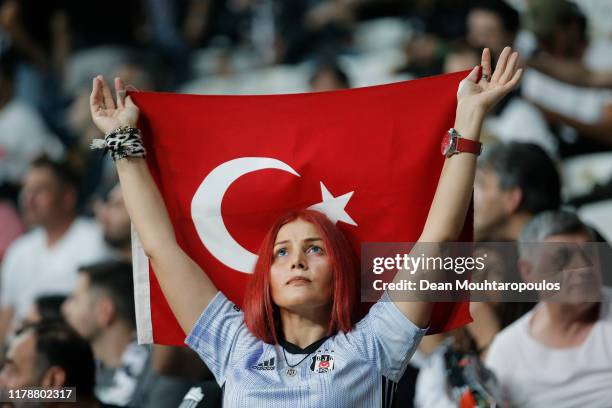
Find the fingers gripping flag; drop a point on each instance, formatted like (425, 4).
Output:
(228, 166)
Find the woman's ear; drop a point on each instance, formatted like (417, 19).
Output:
(54, 377)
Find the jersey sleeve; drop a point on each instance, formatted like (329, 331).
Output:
(386, 338)
(220, 336)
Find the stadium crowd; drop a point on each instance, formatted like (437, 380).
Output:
(67, 315)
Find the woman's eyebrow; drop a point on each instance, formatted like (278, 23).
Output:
(307, 240)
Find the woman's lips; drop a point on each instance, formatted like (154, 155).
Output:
(298, 280)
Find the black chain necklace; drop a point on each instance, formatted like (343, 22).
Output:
(291, 371)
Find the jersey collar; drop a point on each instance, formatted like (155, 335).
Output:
(294, 349)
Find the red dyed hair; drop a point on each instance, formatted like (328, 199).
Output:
(260, 313)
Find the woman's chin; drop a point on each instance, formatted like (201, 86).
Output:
(301, 300)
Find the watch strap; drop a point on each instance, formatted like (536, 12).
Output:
(468, 146)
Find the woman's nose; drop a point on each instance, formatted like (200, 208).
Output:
(299, 261)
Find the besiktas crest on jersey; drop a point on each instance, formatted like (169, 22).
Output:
(322, 363)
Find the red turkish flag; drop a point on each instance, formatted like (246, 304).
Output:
(228, 166)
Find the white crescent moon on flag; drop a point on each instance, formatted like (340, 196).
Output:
(206, 210)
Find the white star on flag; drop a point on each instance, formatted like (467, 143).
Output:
(333, 207)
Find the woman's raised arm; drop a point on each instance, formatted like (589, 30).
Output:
(185, 286)
(475, 97)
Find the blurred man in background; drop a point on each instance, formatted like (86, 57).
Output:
(492, 24)
(559, 354)
(514, 182)
(23, 133)
(50, 355)
(583, 115)
(45, 260)
(116, 225)
(101, 309)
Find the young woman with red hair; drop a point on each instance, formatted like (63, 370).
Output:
(301, 300)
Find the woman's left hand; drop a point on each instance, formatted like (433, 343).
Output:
(480, 96)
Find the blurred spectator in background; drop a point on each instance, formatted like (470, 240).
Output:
(45, 307)
(496, 310)
(39, 35)
(97, 171)
(559, 354)
(29, 32)
(46, 258)
(309, 27)
(101, 310)
(452, 363)
(572, 71)
(116, 224)
(583, 116)
(12, 227)
(49, 51)
(50, 355)
(23, 134)
(328, 76)
(90, 30)
(514, 182)
(434, 24)
(492, 24)
(560, 28)
(460, 57)
(173, 27)
(453, 376)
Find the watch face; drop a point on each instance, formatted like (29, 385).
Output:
(446, 144)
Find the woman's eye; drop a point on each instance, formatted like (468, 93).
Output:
(281, 252)
(315, 249)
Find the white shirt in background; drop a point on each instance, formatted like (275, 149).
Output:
(23, 137)
(533, 375)
(31, 268)
(520, 121)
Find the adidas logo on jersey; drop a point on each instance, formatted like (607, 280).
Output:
(266, 365)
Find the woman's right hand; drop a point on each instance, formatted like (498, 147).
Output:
(106, 114)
